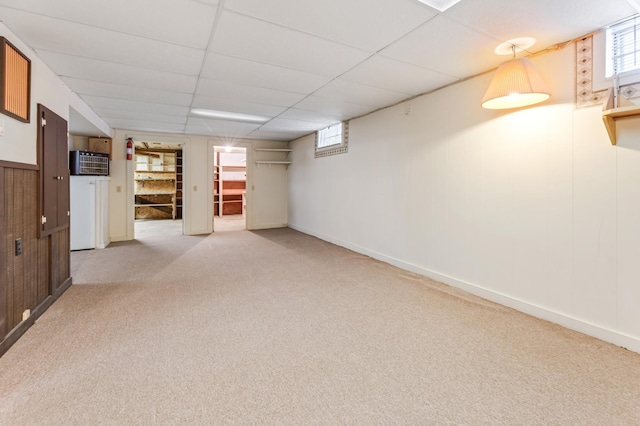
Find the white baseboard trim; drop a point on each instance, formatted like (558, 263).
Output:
(104, 244)
(267, 226)
(603, 333)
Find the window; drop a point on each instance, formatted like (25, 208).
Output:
(332, 140)
(602, 65)
(623, 47)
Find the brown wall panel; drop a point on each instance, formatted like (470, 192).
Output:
(18, 231)
(28, 280)
(30, 249)
(8, 243)
(42, 247)
(3, 258)
(60, 266)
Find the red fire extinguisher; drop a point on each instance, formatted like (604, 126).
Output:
(129, 149)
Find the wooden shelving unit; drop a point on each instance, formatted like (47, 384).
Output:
(611, 115)
(156, 182)
(229, 184)
(178, 197)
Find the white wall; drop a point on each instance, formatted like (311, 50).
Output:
(266, 192)
(19, 142)
(532, 208)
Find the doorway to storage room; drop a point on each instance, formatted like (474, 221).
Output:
(229, 188)
(157, 189)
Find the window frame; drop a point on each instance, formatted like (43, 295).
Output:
(602, 60)
(334, 149)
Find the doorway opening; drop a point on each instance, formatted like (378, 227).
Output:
(229, 188)
(158, 208)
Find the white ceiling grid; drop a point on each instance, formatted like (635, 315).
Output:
(304, 64)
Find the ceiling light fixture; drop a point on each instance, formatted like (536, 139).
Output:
(439, 5)
(226, 115)
(515, 84)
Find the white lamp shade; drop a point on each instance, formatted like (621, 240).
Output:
(515, 84)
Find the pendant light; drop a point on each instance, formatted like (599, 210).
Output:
(515, 84)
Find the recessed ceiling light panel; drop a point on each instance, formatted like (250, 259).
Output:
(439, 5)
(227, 115)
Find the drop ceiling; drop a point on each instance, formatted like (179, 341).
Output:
(143, 64)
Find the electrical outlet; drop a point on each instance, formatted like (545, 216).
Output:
(18, 246)
(26, 314)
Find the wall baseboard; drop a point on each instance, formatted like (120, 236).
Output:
(268, 226)
(599, 332)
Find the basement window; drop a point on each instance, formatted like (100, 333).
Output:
(623, 47)
(332, 140)
(618, 48)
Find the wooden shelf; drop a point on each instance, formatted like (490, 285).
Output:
(229, 183)
(286, 163)
(158, 184)
(232, 191)
(610, 115)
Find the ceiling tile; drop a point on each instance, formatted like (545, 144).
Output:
(84, 87)
(86, 41)
(110, 114)
(157, 21)
(109, 72)
(224, 136)
(345, 91)
(249, 38)
(135, 106)
(256, 74)
(315, 117)
(229, 130)
(213, 88)
(287, 125)
(275, 135)
(550, 22)
(360, 23)
(387, 73)
(341, 109)
(146, 126)
(217, 124)
(458, 52)
(235, 105)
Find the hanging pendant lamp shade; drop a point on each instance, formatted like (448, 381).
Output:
(515, 84)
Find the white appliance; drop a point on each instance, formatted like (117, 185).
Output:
(89, 212)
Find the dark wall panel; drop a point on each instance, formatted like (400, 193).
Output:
(3, 258)
(31, 280)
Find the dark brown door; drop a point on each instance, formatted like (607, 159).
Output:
(54, 171)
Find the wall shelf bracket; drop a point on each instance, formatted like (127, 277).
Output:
(611, 114)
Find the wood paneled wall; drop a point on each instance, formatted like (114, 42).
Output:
(35, 278)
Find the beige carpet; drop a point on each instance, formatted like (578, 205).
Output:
(147, 228)
(276, 327)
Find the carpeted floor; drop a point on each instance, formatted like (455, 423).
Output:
(277, 327)
(147, 228)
